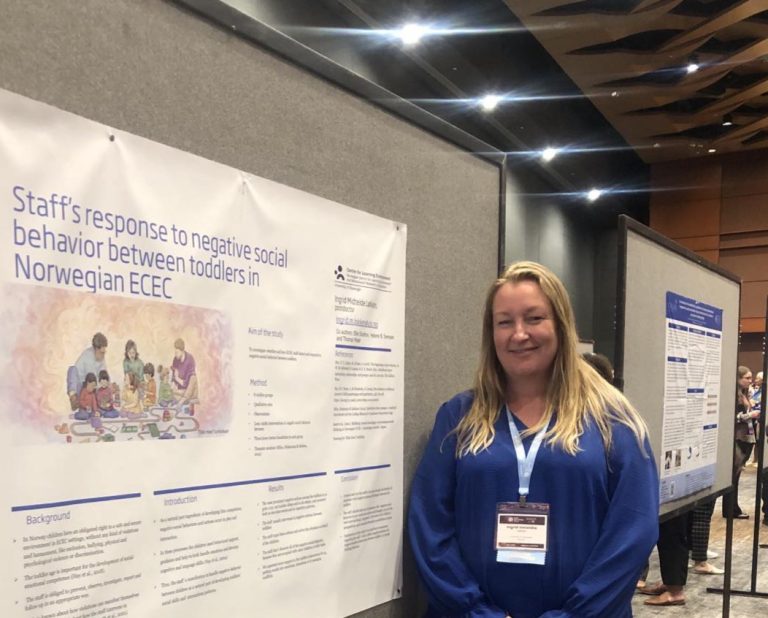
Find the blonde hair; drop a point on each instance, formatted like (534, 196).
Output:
(576, 391)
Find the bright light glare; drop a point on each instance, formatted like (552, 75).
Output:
(549, 153)
(489, 102)
(712, 150)
(692, 68)
(594, 194)
(411, 34)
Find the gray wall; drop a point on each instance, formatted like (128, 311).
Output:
(547, 230)
(153, 69)
(606, 274)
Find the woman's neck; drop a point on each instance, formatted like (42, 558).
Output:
(528, 404)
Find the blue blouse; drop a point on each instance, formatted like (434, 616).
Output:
(603, 524)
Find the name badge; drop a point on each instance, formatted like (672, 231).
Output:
(521, 532)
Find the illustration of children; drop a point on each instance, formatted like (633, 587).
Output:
(150, 386)
(132, 363)
(96, 421)
(104, 398)
(131, 402)
(87, 399)
(165, 393)
(116, 395)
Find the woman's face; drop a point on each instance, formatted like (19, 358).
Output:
(745, 381)
(524, 333)
(132, 353)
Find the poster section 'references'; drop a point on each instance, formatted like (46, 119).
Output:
(693, 353)
(202, 384)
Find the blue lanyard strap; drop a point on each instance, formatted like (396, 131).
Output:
(524, 462)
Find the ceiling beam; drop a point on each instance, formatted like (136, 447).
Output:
(711, 26)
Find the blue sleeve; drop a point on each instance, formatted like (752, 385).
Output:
(628, 535)
(451, 587)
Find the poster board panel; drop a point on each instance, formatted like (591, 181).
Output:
(678, 362)
(164, 73)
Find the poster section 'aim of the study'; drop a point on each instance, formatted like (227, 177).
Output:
(202, 384)
(693, 358)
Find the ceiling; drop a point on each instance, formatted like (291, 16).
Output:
(630, 56)
(604, 80)
(484, 48)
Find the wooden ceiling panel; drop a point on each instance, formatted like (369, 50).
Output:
(630, 57)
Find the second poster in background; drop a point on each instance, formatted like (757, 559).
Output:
(693, 357)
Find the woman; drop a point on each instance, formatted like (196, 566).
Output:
(478, 499)
(744, 434)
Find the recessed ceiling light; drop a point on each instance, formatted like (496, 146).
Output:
(411, 34)
(614, 93)
(594, 194)
(656, 145)
(693, 64)
(489, 102)
(549, 153)
(711, 150)
(727, 120)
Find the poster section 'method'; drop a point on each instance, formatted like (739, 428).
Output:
(202, 383)
(693, 351)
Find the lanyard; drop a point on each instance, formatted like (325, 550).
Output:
(524, 462)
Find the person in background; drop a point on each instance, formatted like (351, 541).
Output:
(673, 564)
(601, 364)
(756, 390)
(756, 396)
(699, 522)
(765, 497)
(744, 435)
(540, 433)
(756, 399)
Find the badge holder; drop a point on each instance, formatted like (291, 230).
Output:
(522, 527)
(521, 532)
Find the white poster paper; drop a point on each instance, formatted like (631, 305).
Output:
(242, 453)
(693, 357)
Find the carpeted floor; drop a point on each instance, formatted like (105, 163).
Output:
(700, 603)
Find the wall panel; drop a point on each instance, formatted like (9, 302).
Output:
(727, 196)
(686, 219)
(153, 69)
(745, 213)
